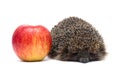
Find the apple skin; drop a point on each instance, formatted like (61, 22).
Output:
(31, 43)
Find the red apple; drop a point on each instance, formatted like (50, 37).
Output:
(31, 43)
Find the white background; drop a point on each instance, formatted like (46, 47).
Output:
(104, 15)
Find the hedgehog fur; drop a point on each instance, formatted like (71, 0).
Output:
(74, 39)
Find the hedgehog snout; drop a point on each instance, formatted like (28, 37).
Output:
(84, 60)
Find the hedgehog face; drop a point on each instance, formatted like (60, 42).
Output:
(82, 56)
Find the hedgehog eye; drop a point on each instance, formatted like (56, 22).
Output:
(74, 54)
(92, 54)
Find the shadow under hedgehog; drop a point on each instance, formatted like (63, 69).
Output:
(74, 39)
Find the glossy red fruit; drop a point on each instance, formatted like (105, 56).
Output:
(31, 43)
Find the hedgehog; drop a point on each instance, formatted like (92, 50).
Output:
(74, 39)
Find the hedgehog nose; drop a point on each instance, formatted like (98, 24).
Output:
(84, 60)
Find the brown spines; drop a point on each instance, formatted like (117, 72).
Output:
(73, 39)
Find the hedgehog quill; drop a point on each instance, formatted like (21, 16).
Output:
(74, 39)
